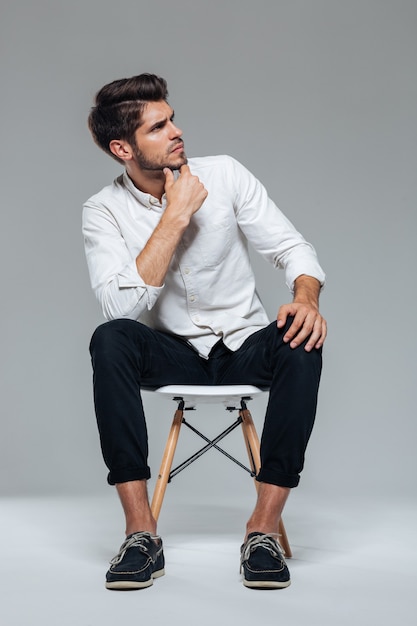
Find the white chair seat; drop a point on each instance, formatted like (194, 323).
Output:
(230, 395)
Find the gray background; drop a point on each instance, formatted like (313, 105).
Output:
(318, 99)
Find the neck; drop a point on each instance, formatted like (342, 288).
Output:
(148, 181)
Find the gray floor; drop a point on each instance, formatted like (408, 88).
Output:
(349, 567)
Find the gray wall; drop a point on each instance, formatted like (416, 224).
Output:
(318, 99)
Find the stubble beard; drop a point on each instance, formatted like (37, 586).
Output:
(157, 164)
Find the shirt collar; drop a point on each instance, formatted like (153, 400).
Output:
(148, 201)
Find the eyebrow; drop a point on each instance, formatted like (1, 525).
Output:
(162, 121)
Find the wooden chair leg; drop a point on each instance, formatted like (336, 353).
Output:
(253, 448)
(166, 464)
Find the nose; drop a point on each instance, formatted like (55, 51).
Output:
(175, 132)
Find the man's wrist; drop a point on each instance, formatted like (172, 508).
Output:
(174, 218)
(307, 290)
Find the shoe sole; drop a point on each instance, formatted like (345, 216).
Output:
(266, 584)
(132, 584)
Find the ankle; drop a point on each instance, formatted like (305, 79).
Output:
(261, 527)
(267, 513)
(140, 520)
(134, 498)
(141, 525)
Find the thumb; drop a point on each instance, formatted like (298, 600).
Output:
(169, 176)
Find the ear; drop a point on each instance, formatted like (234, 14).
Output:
(121, 149)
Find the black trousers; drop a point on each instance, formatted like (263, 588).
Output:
(127, 356)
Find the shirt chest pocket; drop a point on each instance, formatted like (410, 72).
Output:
(213, 241)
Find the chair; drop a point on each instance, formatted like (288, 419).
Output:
(234, 398)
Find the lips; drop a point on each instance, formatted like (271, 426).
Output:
(178, 148)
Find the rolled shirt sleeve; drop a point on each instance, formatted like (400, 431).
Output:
(115, 280)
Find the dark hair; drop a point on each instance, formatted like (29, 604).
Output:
(119, 106)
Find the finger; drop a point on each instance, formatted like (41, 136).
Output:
(283, 313)
(296, 326)
(302, 329)
(322, 339)
(316, 338)
(184, 169)
(300, 337)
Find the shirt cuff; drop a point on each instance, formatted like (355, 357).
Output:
(129, 278)
(294, 272)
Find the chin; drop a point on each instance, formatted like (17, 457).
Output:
(181, 161)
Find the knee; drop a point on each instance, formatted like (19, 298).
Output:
(301, 362)
(303, 358)
(108, 337)
(297, 358)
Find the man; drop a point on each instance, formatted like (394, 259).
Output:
(166, 246)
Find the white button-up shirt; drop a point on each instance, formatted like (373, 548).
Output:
(209, 291)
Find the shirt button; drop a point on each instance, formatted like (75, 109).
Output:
(192, 298)
(187, 270)
(196, 319)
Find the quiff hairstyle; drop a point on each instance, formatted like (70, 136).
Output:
(119, 106)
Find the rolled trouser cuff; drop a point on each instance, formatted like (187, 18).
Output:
(275, 478)
(127, 475)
